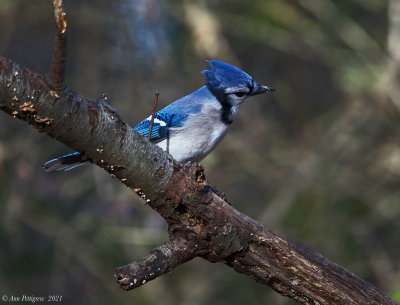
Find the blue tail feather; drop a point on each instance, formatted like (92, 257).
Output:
(65, 163)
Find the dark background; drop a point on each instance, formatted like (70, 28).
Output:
(318, 161)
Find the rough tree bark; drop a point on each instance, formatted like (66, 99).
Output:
(200, 222)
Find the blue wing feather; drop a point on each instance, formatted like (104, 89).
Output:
(172, 116)
(162, 121)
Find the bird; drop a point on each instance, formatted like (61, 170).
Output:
(191, 127)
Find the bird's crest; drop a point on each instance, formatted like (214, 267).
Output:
(220, 76)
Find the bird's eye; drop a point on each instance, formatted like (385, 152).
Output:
(239, 94)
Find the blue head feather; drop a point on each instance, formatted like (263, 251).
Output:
(220, 76)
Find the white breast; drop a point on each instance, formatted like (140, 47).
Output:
(201, 133)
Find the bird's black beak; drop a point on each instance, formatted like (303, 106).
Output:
(258, 89)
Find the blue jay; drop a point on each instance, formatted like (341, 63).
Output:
(191, 127)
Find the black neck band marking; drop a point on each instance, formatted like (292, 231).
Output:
(226, 113)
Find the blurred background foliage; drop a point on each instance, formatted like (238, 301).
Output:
(318, 161)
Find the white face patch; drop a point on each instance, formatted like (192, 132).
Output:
(236, 89)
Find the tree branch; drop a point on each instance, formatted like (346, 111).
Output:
(161, 260)
(200, 223)
(55, 78)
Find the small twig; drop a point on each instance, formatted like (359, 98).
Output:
(55, 79)
(153, 113)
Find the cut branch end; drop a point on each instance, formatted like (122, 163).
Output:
(59, 14)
